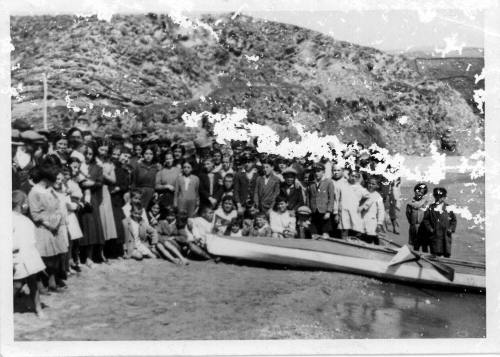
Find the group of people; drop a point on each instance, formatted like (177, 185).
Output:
(79, 199)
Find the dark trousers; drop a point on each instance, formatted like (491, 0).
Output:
(370, 239)
(319, 225)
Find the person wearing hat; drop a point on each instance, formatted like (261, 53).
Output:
(415, 214)
(21, 125)
(15, 143)
(303, 228)
(291, 189)
(440, 223)
(23, 159)
(320, 197)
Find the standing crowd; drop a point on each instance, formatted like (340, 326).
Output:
(79, 199)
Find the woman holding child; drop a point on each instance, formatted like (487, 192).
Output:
(90, 217)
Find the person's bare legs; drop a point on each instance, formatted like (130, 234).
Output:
(90, 251)
(173, 249)
(35, 295)
(199, 252)
(166, 254)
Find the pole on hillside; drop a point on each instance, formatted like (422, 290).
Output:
(45, 124)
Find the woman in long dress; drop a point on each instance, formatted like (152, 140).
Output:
(90, 217)
(121, 158)
(144, 176)
(106, 208)
(165, 180)
(187, 196)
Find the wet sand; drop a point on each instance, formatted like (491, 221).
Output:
(155, 300)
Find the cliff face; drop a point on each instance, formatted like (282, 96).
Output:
(146, 71)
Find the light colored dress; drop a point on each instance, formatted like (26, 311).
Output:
(63, 199)
(44, 206)
(105, 208)
(372, 213)
(349, 202)
(75, 194)
(27, 260)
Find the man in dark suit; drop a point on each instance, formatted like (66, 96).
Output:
(244, 182)
(210, 186)
(320, 198)
(267, 188)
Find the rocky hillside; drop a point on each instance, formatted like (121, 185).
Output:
(147, 70)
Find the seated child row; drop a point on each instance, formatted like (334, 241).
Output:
(162, 231)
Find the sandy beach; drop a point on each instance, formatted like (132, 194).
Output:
(156, 300)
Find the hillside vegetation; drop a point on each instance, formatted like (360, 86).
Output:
(152, 70)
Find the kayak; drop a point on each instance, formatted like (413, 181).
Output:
(351, 256)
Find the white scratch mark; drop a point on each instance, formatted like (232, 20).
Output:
(479, 77)
(480, 99)
(451, 44)
(237, 13)
(253, 58)
(403, 120)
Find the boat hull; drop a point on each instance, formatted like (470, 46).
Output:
(346, 257)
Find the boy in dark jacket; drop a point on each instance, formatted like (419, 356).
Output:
(440, 223)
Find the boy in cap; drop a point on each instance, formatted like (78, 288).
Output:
(292, 189)
(415, 211)
(440, 223)
(320, 197)
(303, 228)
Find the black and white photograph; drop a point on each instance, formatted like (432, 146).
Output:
(248, 172)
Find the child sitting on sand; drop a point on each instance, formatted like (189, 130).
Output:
(135, 199)
(261, 226)
(140, 237)
(224, 214)
(303, 227)
(154, 213)
(235, 227)
(198, 228)
(167, 235)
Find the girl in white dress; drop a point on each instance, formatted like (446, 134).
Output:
(351, 196)
(372, 212)
(26, 258)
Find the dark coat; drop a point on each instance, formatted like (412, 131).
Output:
(439, 226)
(205, 188)
(265, 194)
(321, 197)
(295, 198)
(243, 187)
